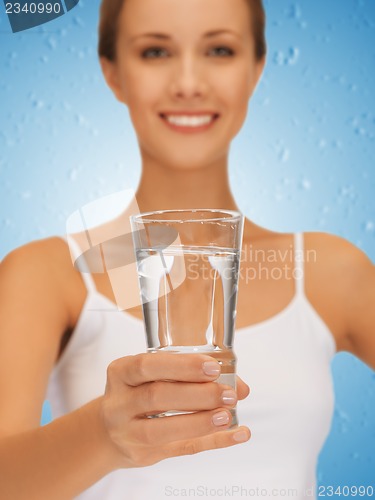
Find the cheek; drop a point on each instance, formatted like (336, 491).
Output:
(136, 84)
(236, 92)
(142, 94)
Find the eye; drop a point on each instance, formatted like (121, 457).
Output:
(153, 53)
(223, 51)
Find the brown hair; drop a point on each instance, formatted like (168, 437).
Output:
(110, 11)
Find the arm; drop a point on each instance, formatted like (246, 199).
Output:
(59, 460)
(360, 306)
(340, 283)
(34, 461)
(344, 280)
(65, 457)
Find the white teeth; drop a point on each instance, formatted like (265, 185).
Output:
(190, 121)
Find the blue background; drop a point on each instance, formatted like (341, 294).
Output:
(303, 161)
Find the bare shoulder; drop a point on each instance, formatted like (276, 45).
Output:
(44, 260)
(337, 273)
(337, 248)
(326, 251)
(42, 252)
(338, 262)
(42, 268)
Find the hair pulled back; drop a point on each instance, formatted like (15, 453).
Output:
(110, 12)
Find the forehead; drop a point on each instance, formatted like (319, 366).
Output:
(185, 18)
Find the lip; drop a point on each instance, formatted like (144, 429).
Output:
(189, 130)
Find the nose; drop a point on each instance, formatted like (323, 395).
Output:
(188, 80)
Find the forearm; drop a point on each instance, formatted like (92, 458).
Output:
(57, 461)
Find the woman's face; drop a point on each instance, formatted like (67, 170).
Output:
(186, 70)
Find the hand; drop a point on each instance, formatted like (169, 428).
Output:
(147, 384)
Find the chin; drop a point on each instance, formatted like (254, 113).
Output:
(191, 162)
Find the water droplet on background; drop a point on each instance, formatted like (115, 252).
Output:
(306, 184)
(284, 155)
(289, 58)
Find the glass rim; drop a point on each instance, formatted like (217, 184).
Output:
(142, 217)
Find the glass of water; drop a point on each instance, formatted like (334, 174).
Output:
(188, 268)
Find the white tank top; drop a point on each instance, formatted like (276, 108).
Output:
(285, 359)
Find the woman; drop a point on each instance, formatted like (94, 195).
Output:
(203, 64)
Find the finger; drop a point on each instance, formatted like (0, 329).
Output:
(243, 390)
(221, 439)
(142, 368)
(160, 431)
(155, 397)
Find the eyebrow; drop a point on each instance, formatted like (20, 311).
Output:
(162, 36)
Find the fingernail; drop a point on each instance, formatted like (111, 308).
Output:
(211, 368)
(229, 398)
(220, 418)
(241, 436)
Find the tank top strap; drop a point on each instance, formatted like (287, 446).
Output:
(299, 264)
(80, 264)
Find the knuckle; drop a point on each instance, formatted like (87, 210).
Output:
(140, 365)
(190, 447)
(217, 441)
(113, 369)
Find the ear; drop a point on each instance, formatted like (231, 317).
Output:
(110, 72)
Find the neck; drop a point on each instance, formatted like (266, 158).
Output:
(163, 188)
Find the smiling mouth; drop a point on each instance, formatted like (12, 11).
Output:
(190, 122)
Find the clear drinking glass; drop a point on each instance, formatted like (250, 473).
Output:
(188, 267)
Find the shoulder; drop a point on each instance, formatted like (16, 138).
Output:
(35, 250)
(325, 250)
(46, 259)
(340, 279)
(335, 261)
(44, 269)
(336, 256)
